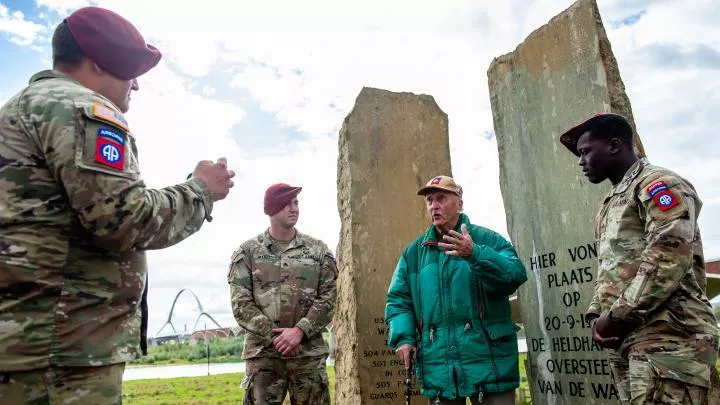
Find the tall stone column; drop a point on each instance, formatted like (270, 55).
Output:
(390, 145)
(562, 73)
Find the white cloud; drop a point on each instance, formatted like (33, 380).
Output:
(303, 64)
(63, 6)
(21, 31)
(208, 91)
(679, 22)
(176, 128)
(201, 262)
(668, 61)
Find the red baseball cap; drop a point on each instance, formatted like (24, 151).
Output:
(441, 183)
(112, 42)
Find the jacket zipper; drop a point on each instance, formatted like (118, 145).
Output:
(420, 359)
(442, 304)
(487, 335)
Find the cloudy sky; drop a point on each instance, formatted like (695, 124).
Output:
(268, 83)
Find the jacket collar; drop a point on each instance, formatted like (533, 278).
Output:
(430, 237)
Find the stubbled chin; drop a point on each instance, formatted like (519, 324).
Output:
(593, 179)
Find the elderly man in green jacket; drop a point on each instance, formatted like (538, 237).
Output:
(448, 305)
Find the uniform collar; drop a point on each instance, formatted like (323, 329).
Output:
(50, 74)
(56, 74)
(630, 176)
(298, 241)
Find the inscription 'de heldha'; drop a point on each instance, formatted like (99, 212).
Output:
(568, 319)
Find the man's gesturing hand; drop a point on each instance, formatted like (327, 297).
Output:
(405, 353)
(288, 341)
(216, 176)
(456, 244)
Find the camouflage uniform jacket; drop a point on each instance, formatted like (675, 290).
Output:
(75, 219)
(651, 270)
(293, 288)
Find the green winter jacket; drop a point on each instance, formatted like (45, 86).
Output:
(456, 311)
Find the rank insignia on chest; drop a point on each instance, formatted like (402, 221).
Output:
(110, 149)
(661, 194)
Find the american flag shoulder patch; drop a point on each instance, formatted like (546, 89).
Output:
(107, 114)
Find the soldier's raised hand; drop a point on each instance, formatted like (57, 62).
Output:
(216, 176)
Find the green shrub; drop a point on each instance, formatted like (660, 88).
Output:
(183, 352)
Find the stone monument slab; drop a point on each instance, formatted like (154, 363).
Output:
(390, 145)
(562, 73)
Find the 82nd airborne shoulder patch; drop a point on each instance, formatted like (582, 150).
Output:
(661, 194)
(110, 148)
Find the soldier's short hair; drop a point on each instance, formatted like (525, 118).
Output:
(612, 126)
(65, 49)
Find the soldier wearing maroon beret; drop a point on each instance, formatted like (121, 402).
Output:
(649, 311)
(282, 292)
(76, 218)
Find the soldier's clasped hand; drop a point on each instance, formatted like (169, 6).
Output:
(609, 333)
(288, 341)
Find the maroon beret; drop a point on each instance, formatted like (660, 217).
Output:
(112, 42)
(570, 137)
(278, 196)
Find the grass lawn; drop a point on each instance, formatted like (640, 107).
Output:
(220, 389)
(216, 390)
(225, 389)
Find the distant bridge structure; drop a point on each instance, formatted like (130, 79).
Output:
(210, 334)
(182, 334)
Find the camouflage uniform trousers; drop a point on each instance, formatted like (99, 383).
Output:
(267, 380)
(63, 385)
(644, 378)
